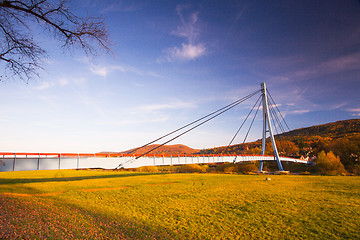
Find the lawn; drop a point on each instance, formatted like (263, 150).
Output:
(70, 204)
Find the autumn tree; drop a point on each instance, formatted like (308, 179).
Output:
(328, 163)
(253, 151)
(21, 54)
(287, 148)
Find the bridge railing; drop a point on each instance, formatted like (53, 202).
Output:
(48, 161)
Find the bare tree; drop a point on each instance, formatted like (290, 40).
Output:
(22, 55)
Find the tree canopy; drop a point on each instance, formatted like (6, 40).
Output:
(21, 54)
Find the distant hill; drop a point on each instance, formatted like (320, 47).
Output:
(341, 137)
(333, 130)
(166, 149)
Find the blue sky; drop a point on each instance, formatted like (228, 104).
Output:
(176, 61)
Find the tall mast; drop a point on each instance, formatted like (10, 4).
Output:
(267, 128)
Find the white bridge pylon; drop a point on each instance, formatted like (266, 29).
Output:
(268, 128)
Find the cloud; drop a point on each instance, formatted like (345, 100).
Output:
(133, 121)
(336, 65)
(338, 105)
(318, 69)
(354, 111)
(165, 106)
(61, 82)
(123, 6)
(189, 30)
(105, 70)
(43, 85)
(186, 52)
(299, 111)
(102, 69)
(49, 84)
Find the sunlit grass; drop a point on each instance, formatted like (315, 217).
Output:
(104, 204)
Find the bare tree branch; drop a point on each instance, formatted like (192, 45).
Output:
(18, 50)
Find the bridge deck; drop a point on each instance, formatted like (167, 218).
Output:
(47, 161)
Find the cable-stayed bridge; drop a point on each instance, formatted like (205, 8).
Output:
(271, 115)
(48, 161)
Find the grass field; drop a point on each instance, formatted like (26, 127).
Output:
(71, 204)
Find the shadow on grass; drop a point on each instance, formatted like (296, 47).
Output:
(117, 226)
(69, 179)
(32, 218)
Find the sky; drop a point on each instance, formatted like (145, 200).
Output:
(176, 61)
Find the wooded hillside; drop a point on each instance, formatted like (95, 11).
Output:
(341, 137)
(166, 150)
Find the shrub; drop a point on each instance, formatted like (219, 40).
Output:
(329, 164)
(230, 169)
(148, 169)
(190, 168)
(247, 167)
(205, 168)
(356, 169)
(242, 167)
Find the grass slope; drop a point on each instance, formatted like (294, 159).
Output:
(73, 204)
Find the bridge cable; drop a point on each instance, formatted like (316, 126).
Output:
(225, 110)
(287, 141)
(187, 125)
(271, 100)
(252, 122)
(241, 125)
(278, 111)
(275, 118)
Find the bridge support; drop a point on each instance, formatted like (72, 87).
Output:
(267, 128)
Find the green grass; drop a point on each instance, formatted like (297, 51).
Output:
(71, 204)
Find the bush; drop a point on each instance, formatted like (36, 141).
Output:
(151, 169)
(329, 164)
(190, 168)
(356, 169)
(242, 167)
(205, 168)
(247, 167)
(230, 169)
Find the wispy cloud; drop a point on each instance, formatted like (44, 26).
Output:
(311, 69)
(298, 111)
(186, 52)
(125, 122)
(63, 81)
(43, 85)
(354, 111)
(336, 65)
(189, 30)
(103, 71)
(50, 84)
(338, 105)
(123, 6)
(165, 106)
